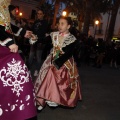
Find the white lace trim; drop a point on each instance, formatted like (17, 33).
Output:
(31, 41)
(68, 39)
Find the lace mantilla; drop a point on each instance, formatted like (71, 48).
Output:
(67, 39)
(4, 14)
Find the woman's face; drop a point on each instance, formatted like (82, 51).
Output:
(63, 26)
(40, 15)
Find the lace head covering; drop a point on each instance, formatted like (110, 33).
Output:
(4, 12)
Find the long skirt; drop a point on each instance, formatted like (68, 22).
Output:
(17, 97)
(55, 86)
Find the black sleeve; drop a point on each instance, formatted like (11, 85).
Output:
(45, 27)
(15, 29)
(40, 28)
(5, 35)
(69, 50)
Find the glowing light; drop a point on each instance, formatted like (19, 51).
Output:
(96, 22)
(64, 13)
(20, 14)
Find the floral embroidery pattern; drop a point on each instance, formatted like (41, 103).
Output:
(14, 76)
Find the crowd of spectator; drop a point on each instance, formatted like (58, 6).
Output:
(97, 52)
(89, 51)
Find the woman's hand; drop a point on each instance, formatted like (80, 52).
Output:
(13, 48)
(34, 37)
(28, 34)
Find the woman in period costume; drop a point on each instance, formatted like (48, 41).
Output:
(17, 98)
(58, 82)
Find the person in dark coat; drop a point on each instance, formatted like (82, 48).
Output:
(39, 28)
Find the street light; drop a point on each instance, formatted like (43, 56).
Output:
(96, 24)
(64, 13)
(20, 14)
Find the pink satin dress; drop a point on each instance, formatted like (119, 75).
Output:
(57, 85)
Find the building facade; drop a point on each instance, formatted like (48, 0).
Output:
(101, 29)
(103, 26)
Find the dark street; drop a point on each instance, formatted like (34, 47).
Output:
(101, 97)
